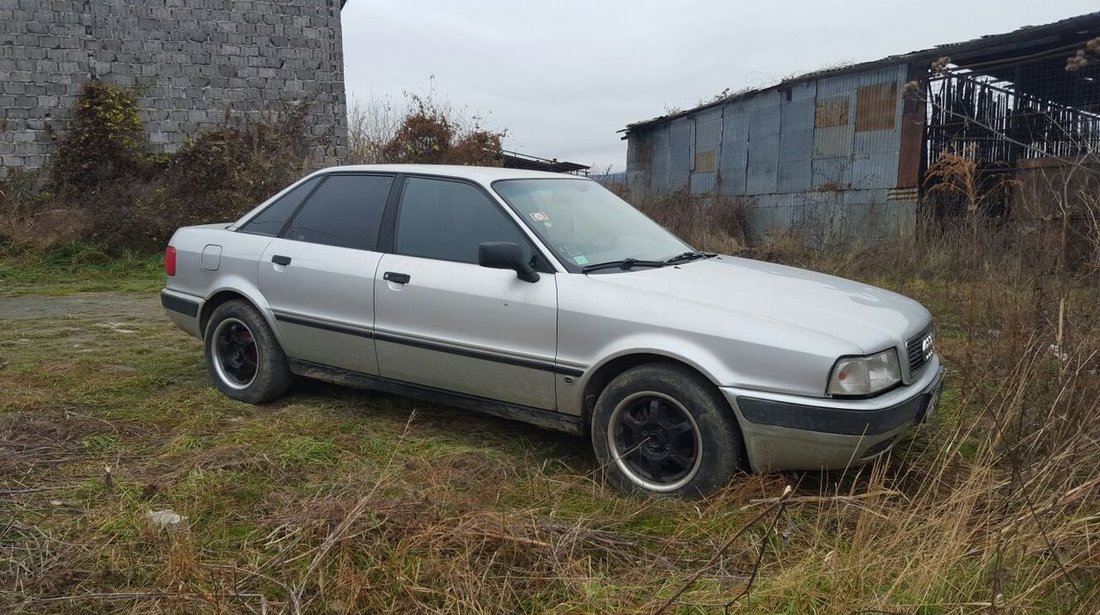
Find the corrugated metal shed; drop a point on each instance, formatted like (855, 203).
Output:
(800, 152)
(832, 153)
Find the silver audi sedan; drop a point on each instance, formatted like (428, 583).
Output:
(546, 298)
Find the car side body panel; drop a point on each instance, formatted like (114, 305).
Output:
(468, 329)
(322, 300)
(236, 269)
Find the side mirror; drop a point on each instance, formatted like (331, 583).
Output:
(506, 255)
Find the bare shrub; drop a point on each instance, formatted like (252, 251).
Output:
(371, 123)
(29, 215)
(424, 131)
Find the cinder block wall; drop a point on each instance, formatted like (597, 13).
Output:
(189, 60)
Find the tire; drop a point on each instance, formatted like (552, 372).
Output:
(243, 357)
(663, 429)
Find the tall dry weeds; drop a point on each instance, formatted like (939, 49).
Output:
(709, 221)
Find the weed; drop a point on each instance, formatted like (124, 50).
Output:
(344, 501)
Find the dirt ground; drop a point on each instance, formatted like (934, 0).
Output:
(110, 306)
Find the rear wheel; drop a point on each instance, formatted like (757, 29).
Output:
(243, 357)
(663, 429)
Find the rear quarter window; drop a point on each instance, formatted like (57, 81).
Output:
(271, 220)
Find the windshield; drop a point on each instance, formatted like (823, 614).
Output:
(585, 224)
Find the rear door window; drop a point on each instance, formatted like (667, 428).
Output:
(271, 221)
(345, 211)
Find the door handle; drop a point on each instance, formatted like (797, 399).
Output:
(396, 278)
(280, 260)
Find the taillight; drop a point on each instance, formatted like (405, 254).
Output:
(170, 261)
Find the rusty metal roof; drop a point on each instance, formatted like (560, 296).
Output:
(516, 160)
(987, 48)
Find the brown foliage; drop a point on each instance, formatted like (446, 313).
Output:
(103, 184)
(430, 134)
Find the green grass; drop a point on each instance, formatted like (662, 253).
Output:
(77, 267)
(445, 511)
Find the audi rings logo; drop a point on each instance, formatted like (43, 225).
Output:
(928, 346)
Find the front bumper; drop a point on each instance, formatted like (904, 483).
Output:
(787, 432)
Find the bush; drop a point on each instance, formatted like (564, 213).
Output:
(104, 185)
(428, 132)
(105, 139)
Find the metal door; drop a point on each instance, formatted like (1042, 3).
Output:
(468, 329)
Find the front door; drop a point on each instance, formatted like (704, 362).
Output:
(443, 321)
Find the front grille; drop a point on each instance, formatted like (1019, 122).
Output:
(915, 346)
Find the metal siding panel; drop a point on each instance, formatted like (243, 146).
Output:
(818, 216)
(658, 181)
(770, 214)
(708, 128)
(834, 86)
(679, 153)
(703, 182)
(833, 141)
(708, 142)
(864, 211)
(795, 164)
(796, 139)
(832, 173)
(873, 166)
(634, 172)
(763, 164)
(735, 148)
(875, 152)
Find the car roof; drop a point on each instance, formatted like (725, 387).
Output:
(484, 175)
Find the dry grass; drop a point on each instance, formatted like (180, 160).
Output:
(339, 501)
(708, 221)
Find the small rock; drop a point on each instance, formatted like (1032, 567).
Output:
(57, 503)
(118, 367)
(165, 519)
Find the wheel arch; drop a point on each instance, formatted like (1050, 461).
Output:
(224, 296)
(607, 371)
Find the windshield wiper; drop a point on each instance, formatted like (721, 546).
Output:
(625, 264)
(689, 256)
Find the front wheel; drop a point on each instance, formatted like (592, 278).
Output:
(243, 357)
(665, 430)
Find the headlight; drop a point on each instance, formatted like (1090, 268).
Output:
(865, 375)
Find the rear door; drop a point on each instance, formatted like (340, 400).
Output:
(318, 276)
(444, 321)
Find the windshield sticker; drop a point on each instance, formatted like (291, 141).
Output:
(580, 260)
(538, 216)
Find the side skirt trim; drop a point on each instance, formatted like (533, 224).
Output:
(535, 416)
(324, 326)
(393, 338)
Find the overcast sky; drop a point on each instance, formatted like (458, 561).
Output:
(563, 76)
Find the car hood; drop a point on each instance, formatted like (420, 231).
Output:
(856, 313)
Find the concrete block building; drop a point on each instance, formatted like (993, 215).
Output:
(191, 62)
